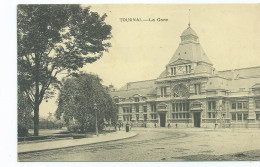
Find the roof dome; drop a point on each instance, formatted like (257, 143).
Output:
(189, 31)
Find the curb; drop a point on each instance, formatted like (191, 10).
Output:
(48, 149)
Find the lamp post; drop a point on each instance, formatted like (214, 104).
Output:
(95, 108)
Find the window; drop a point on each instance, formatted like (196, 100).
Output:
(163, 91)
(257, 116)
(180, 115)
(177, 116)
(197, 88)
(173, 116)
(171, 71)
(145, 108)
(239, 106)
(245, 105)
(234, 116)
(116, 100)
(239, 116)
(186, 69)
(153, 107)
(257, 104)
(137, 108)
(174, 70)
(127, 109)
(211, 105)
(209, 114)
(153, 116)
(137, 117)
(233, 106)
(189, 68)
(173, 107)
(187, 106)
(245, 116)
(213, 115)
(136, 99)
(187, 115)
(145, 117)
(184, 115)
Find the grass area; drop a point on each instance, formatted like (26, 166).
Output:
(46, 134)
(253, 155)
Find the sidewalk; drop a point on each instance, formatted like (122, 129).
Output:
(51, 145)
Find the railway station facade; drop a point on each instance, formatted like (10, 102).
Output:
(190, 92)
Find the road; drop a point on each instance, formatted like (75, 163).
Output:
(159, 144)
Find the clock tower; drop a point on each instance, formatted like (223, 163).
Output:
(189, 58)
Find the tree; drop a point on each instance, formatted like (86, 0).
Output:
(52, 39)
(76, 101)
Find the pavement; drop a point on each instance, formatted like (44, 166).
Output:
(57, 144)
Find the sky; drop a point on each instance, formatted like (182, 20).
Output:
(229, 34)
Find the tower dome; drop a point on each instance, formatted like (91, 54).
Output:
(189, 31)
(189, 35)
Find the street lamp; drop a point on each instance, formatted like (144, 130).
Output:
(95, 108)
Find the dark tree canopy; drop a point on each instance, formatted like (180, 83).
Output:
(76, 102)
(52, 39)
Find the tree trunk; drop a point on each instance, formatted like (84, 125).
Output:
(36, 96)
(36, 119)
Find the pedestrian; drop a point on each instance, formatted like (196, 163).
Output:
(169, 124)
(176, 125)
(155, 125)
(119, 126)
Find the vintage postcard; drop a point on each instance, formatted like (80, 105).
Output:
(138, 82)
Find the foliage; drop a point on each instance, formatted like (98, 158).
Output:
(50, 124)
(52, 39)
(24, 114)
(76, 102)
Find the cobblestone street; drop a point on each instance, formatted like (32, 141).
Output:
(160, 144)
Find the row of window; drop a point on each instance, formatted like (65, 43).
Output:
(239, 105)
(187, 69)
(197, 90)
(129, 117)
(129, 109)
(234, 116)
(180, 116)
(180, 107)
(239, 116)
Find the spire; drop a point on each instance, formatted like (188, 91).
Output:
(189, 18)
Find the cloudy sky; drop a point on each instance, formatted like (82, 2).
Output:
(229, 34)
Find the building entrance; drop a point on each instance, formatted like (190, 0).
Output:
(196, 117)
(162, 119)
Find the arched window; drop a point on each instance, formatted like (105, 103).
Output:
(180, 91)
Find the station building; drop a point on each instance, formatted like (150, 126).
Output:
(190, 92)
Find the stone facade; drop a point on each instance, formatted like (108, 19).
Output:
(190, 92)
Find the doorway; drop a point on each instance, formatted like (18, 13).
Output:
(162, 119)
(196, 119)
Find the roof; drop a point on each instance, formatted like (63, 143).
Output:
(142, 88)
(189, 31)
(190, 51)
(240, 73)
(217, 83)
